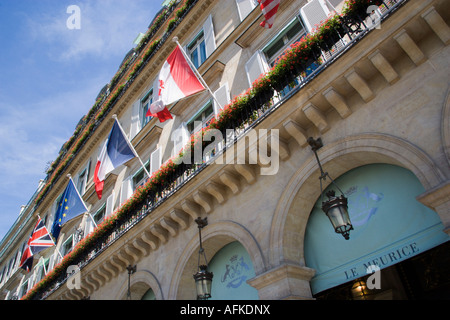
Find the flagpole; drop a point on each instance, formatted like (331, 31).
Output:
(130, 145)
(79, 195)
(54, 243)
(199, 77)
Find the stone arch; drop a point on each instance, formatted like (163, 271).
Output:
(214, 237)
(295, 204)
(445, 127)
(140, 282)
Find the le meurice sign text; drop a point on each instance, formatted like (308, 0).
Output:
(384, 260)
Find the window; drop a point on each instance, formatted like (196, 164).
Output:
(203, 44)
(23, 289)
(145, 104)
(83, 179)
(197, 50)
(2, 275)
(141, 176)
(201, 118)
(42, 270)
(100, 215)
(293, 32)
(67, 246)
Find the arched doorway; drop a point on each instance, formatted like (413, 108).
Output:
(149, 295)
(392, 233)
(232, 267)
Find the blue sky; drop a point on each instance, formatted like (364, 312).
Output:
(50, 76)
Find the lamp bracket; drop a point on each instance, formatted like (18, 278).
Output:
(201, 222)
(315, 144)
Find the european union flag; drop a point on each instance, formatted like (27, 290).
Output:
(69, 206)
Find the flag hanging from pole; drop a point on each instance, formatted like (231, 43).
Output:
(115, 152)
(69, 206)
(176, 81)
(39, 240)
(269, 9)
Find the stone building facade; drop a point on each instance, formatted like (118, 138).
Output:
(379, 101)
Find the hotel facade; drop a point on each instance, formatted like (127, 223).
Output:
(375, 97)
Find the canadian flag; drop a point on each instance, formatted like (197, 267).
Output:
(176, 81)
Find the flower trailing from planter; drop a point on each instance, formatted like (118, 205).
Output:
(261, 90)
(357, 9)
(294, 61)
(329, 32)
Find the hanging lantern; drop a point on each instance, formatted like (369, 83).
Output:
(335, 207)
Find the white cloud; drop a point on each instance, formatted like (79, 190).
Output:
(107, 28)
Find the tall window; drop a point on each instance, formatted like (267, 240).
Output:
(23, 289)
(83, 179)
(145, 104)
(140, 177)
(67, 245)
(201, 119)
(197, 50)
(100, 215)
(293, 32)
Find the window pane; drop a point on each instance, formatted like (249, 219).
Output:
(194, 58)
(202, 52)
(283, 40)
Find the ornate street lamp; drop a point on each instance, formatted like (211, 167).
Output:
(131, 269)
(335, 207)
(203, 278)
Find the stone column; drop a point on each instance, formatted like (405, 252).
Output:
(285, 282)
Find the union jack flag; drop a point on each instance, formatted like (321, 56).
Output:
(269, 8)
(39, 240)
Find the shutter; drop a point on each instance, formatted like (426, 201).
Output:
(135, 119)
(89, 226)
(110, 204)
(255, 67)
(180, 137)
(155, 160)
(245, 7)
(223, 97)
(127, 190)
(210, 40)
(335, 3)
(314, 13)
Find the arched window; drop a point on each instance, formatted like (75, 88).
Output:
(232, 267)
(390, 226)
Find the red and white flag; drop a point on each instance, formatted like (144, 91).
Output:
(269, 9)
(176, 81)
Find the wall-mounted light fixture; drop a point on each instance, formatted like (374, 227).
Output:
(335, 207)
(203, 278)
(131, 269)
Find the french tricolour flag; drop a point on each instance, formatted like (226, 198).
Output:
(115, 152)
(176, 81)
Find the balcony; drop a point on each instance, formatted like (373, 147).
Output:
(320, 86)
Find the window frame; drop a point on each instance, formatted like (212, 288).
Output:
(287, 42)
(205, 118)
(198, 44)
(137, 183)
(144, 105)
(65, 243)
